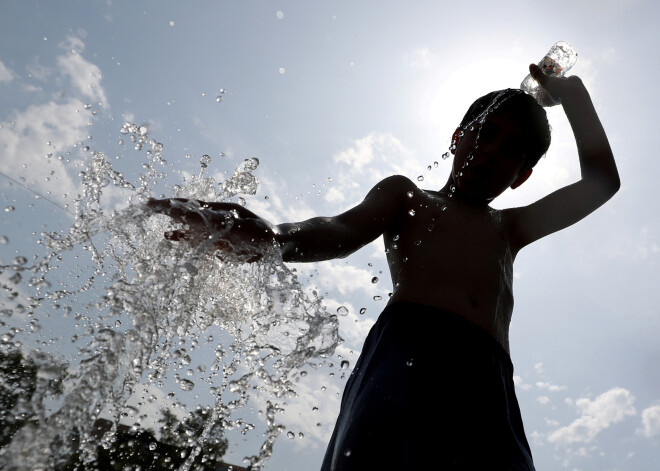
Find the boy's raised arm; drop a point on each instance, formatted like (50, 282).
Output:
(599, 176)
(325, 238)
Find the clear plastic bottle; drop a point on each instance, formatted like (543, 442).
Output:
(559, 59)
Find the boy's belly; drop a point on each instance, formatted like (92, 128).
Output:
(489, 310)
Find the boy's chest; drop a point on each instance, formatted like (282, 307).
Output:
(450, 242)
(451, 226)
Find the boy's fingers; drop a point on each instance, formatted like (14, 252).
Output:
(537, 74)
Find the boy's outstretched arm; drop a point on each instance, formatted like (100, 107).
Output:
(599, 176)
(325, 238)
(319, 238)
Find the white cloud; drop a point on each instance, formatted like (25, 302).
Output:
(6, 75)
(367, 161)
(651, 422)
(275, 209)
(609, 408)
(634, 245)
(344, 278)
(543, 399)
(520, 383)
(421, 58)
(314, 410)
(31, 88)
(38, 71)
(549, 386)
(353, 327)
(85, 76)
(31, 143)
(37, 142)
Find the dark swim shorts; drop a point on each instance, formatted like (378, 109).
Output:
(430, 390)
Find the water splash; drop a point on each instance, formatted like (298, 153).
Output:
(136, 306)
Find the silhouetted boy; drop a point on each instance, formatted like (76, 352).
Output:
(433, 387)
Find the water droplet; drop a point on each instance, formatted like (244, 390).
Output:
(4, 240)
(152, 445)
(279, 15)
(291, 435)
(344, 364)
(374, 279)
(347, 453)
(444, 208)
(205, 161)
(409, 362)
(445, 156)
(363, 310)
(20, 260)
(282, 70)
(9, 209)
(411, 212)
(420, 178)
(187, 385)
(410, 194)
(377, 298)
(171, 23)
(435, 164)
(430, 228)
(342, 310)
(395, 238)
(218, 98)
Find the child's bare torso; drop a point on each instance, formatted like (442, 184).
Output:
(456, 257)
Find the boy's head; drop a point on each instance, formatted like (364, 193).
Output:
(500, 139)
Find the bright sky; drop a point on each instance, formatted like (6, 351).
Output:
(333, 96)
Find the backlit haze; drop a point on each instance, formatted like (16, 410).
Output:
(331, 97)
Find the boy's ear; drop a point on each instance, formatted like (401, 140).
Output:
(454, 140)
(521, 178)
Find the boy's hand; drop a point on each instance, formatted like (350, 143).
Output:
(242, 239)
(557, 90)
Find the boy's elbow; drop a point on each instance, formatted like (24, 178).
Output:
(613, 184)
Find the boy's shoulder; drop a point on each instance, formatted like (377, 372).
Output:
(397, 182)
(392, 188)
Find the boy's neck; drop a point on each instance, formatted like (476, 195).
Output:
(451, 190)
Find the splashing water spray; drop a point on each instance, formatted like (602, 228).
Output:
(143, 305)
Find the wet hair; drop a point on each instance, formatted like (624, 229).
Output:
(527, 113)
